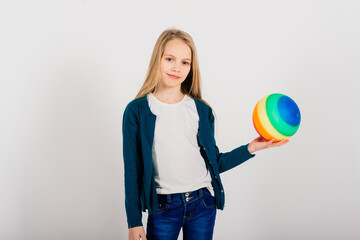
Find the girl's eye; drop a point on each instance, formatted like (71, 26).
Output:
(169, 59)
(186, 63)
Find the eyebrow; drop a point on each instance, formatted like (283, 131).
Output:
(175, 57)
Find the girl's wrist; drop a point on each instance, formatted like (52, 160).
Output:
(251, 148)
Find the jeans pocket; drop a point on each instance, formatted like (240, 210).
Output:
(163, 206)
(208, 201)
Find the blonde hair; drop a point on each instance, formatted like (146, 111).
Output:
(191, 85)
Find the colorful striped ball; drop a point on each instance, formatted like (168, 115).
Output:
(276, 116)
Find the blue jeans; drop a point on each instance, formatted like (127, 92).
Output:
(194, 212)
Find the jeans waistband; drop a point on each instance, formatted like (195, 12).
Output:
(174, 197)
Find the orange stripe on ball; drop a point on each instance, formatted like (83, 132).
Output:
(258, 126)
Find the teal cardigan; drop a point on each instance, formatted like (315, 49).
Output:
(138, 133)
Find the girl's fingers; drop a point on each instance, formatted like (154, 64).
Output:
(272, 142)
(282, 142)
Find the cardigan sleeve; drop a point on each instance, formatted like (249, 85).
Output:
(132, 167)
(229, 160)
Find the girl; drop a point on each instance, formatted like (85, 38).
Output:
(172, 164)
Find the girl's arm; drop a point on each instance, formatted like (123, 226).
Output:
(132, 167)
(240, 154)
(228, 160)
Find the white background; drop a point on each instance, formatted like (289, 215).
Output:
(68, 69)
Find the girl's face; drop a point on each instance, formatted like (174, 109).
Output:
(175, 63)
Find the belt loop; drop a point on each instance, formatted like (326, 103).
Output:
(201, 192)
(168, 196)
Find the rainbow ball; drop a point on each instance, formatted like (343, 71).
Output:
(276, 116)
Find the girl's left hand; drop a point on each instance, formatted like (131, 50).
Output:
(261, 143)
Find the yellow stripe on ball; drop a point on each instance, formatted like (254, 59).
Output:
(264, 119)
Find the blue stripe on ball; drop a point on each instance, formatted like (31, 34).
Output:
(289, 111)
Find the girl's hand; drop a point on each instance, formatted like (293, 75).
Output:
(136, 233)
(260, 143)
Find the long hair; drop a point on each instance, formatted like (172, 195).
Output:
(191, 85)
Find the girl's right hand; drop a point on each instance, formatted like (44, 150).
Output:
(261, 143)
(136, 233)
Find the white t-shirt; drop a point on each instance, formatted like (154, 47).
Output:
(178, 164)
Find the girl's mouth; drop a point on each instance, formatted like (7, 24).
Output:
(173, 76)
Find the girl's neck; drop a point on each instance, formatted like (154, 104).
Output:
(169, 96)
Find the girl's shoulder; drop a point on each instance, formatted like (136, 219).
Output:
(136, 102)
(202, 106)
(203, 103)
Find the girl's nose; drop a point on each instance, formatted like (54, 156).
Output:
(176, 67)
